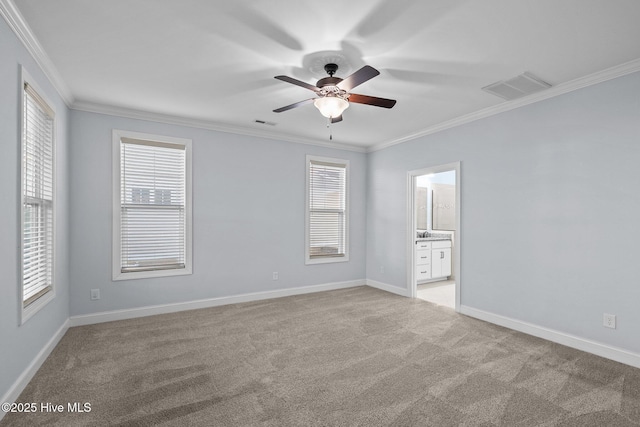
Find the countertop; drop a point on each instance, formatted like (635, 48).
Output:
(434, 237)
(431, 239)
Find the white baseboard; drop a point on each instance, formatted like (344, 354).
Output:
(599, 349)
(388, 288)
(14, 391)
(110, 316)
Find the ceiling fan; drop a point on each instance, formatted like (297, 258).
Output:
(333, 93)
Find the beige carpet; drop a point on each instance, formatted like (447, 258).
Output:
(354, 357)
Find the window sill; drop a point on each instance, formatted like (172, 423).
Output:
(29, 311)
(118, 275)
(327, 260)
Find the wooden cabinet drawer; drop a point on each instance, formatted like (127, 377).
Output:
(423, 257)
(423, 272)
(423, 245)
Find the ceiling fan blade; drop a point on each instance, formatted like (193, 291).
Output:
(297, 104)
(372, 100)
(362, 75)
(336, 119)
(297, 82)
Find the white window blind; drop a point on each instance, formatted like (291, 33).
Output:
(152, 205)
(327, 221)
(37, 197)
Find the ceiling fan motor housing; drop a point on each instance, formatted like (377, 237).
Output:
(329, 85)
(328, 81)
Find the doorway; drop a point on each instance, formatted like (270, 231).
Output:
(433, 234)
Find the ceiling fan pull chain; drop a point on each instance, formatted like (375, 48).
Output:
(329, 127)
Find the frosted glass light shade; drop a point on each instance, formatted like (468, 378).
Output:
(331, 106)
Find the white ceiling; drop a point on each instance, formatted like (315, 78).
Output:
(212, 63)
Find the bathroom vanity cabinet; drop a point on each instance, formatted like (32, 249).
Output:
(433, 260)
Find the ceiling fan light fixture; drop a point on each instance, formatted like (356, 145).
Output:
(331, 106)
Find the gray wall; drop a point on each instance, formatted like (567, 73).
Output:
(21, 344)
(550, 208)
(248, 207)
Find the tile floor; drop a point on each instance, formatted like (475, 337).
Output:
(440, 293)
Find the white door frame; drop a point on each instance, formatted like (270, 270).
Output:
(411, 227)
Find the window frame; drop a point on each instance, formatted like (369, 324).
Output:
(117, 274)
(326, 259)
(29, 310)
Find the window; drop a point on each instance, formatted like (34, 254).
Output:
(37, 182)
(327, 220)
(152, 206)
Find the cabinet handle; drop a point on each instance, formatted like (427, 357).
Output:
(441, 254)
(423, 272)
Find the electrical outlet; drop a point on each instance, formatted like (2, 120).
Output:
(95, 294)
(275, 275)
(609, 321)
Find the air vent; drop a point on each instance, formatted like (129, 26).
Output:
(262, 122)
(517, 87)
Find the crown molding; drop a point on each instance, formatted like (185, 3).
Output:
(206, 124)
(21, 29)
(562, 88)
